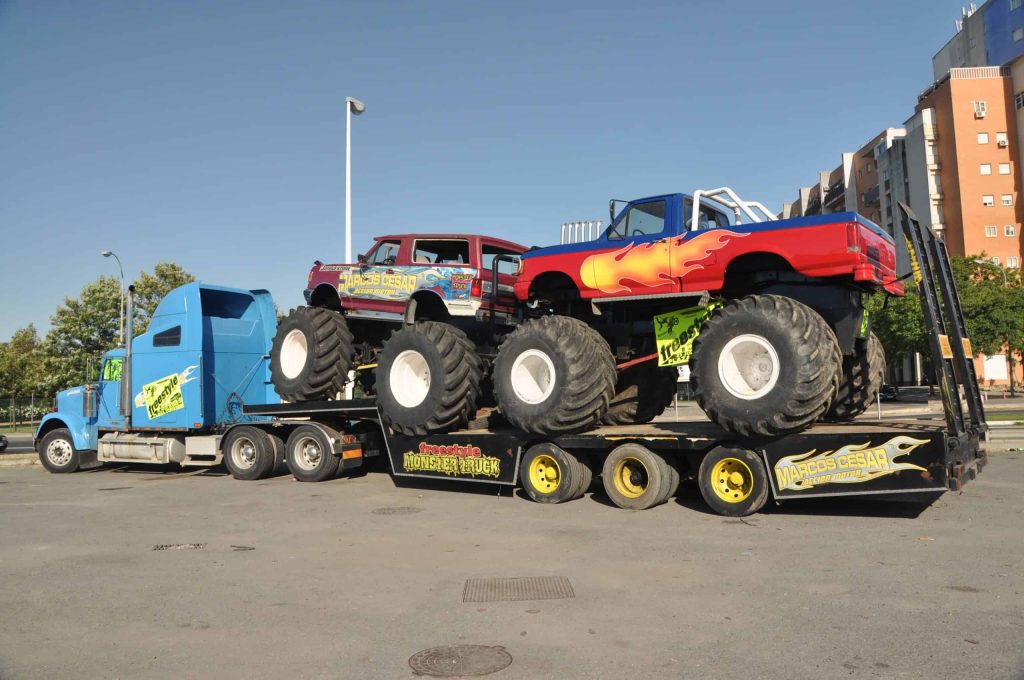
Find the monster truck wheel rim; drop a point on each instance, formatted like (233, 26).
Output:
(533, 376)
(59, 452)
(748, 367)
(410, 378)
(294, 351)
(308, 453)
(243, 453)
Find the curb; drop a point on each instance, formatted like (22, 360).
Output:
(18, 460)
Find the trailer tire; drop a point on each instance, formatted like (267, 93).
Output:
(549, 474)
(585, 475)
(862, 377)
(636, 478)
(642, 393)
(733, 481)
(311, 354)
(57, 452)
(309, 454)
(428, 379)
(765, 365)
(554, 375)
(249, 453)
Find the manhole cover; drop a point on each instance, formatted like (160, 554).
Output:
(517, 588)
(179, 546)
(400, 510)
(460, 661)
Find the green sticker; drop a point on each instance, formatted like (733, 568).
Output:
(163, 396)
(675, 332)
(864, 319)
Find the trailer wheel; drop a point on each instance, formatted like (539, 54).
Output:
(636, 478)
(309, 455)
(249, 453)
(863, 374)
(765, 365)
(311, 354)
(428, 379)
(57, 451)
(642, 393)
(733, 481)
(554, 375)
(549, 474)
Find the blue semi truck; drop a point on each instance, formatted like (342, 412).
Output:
(175, 394)
(196, 389)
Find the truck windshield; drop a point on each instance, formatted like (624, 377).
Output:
(642, 219)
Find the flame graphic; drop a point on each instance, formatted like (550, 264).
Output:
(650, 265)
(850, 464)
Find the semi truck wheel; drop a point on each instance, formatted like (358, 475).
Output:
(311, 354)
(249, 453)
(642, 393)
(428, 379)
(549, 474)
(309, 455)
(636, 478)
(57, 451)
(765, 365)
(863, 374)
(554, 375)
(733, 481)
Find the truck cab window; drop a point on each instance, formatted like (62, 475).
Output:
(447, 251)
(385, 253)
(707, 217)
(168, 338)
(113, 369)
(504, 266)
(642, 219)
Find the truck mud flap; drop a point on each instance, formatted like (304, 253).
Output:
(479, 457)
(858, 463)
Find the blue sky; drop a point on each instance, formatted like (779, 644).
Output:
(211, 134)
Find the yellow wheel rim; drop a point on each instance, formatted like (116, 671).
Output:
(631, 478)
(732, 480)
(545, 475)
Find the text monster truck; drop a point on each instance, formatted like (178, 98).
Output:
(418, 308)
(776, 308)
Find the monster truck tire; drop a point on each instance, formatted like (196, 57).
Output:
(428, 379)
(554, 375)
(863, 374)
(642, 393)
(765, 365)
(311, 354)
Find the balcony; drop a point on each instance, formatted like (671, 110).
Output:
(871, 196)
(835, 193)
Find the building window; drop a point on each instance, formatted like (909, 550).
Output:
(1004, 168)
(982, 138)
(1015, 4)
(1018, 34)
(1007, 199)
(988, 200)
(986, 168)
(995, 259)
(990, 231)
(1002, 139)
(1010, 230)
(1012, 262)
(1019, 100)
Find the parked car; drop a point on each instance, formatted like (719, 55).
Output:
(889, 393)
(3, 442)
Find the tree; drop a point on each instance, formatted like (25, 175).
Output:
(150, 289)
(21, 364)
(82, 329)
(899, 323)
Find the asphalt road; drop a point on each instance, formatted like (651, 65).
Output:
(350, 578)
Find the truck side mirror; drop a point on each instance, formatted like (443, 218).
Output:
(361, 258)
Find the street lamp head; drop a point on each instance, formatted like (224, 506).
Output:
(355, 106)
(106, 253)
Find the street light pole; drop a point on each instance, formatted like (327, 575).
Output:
(352, 107)
(120, 327)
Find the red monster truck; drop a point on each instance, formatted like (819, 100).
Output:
(785, 342)
(420, 308)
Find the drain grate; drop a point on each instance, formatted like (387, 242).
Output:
(517, 588)
(179, 546)
(460, 661)
(400, 510)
